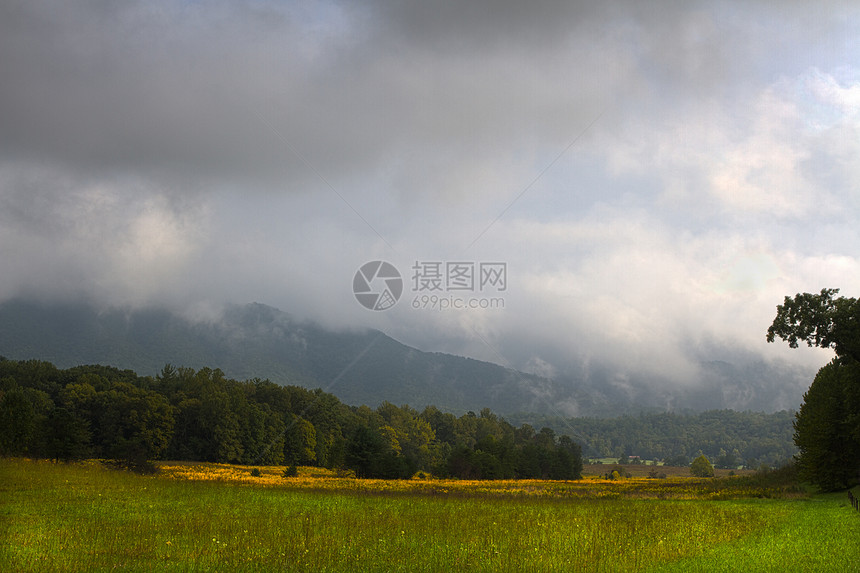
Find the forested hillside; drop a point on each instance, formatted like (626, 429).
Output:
(258, 341)
(360, 366)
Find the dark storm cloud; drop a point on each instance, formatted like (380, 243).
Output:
(236, 91)
(191, 153)
(138, 87)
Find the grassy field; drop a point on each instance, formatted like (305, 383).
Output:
(195, 517)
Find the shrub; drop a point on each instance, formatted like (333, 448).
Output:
(701, 467)
(256, 472)
(291, 471)
(143, 467)
(139, 466)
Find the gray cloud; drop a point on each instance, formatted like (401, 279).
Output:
(198, 153)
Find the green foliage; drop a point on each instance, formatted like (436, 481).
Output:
(202, 415)
(701, 467)
(677, 461)
(291, 471)
(827, 428)
(517, 454)
(819, 320)
(66, 437)
(677, 438)
(133, 424)
(18, 421)
(300, 442)
(728, 460)
(371, 455)
(255, 472)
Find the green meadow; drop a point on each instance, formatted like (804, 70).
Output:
(84, 517)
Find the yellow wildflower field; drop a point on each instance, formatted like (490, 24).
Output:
(591, 486)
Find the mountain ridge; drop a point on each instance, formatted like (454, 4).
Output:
(259, 341)
(362, 366)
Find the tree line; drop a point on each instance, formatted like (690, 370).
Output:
(201, 415)
(729, 438)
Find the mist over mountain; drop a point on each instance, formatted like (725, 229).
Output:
(653, 182)
(359, 366)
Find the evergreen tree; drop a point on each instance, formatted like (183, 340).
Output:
(827, 428)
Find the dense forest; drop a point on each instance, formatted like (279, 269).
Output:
(728, 438)
(202, 415)
(187, 414)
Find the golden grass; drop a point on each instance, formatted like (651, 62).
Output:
(593, 485)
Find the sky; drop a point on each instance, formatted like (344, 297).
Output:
(653, 177)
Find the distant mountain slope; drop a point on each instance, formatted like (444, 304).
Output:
(257, 341)
(368, 367)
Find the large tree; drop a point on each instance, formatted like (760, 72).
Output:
(827, 426)
(819, 320)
